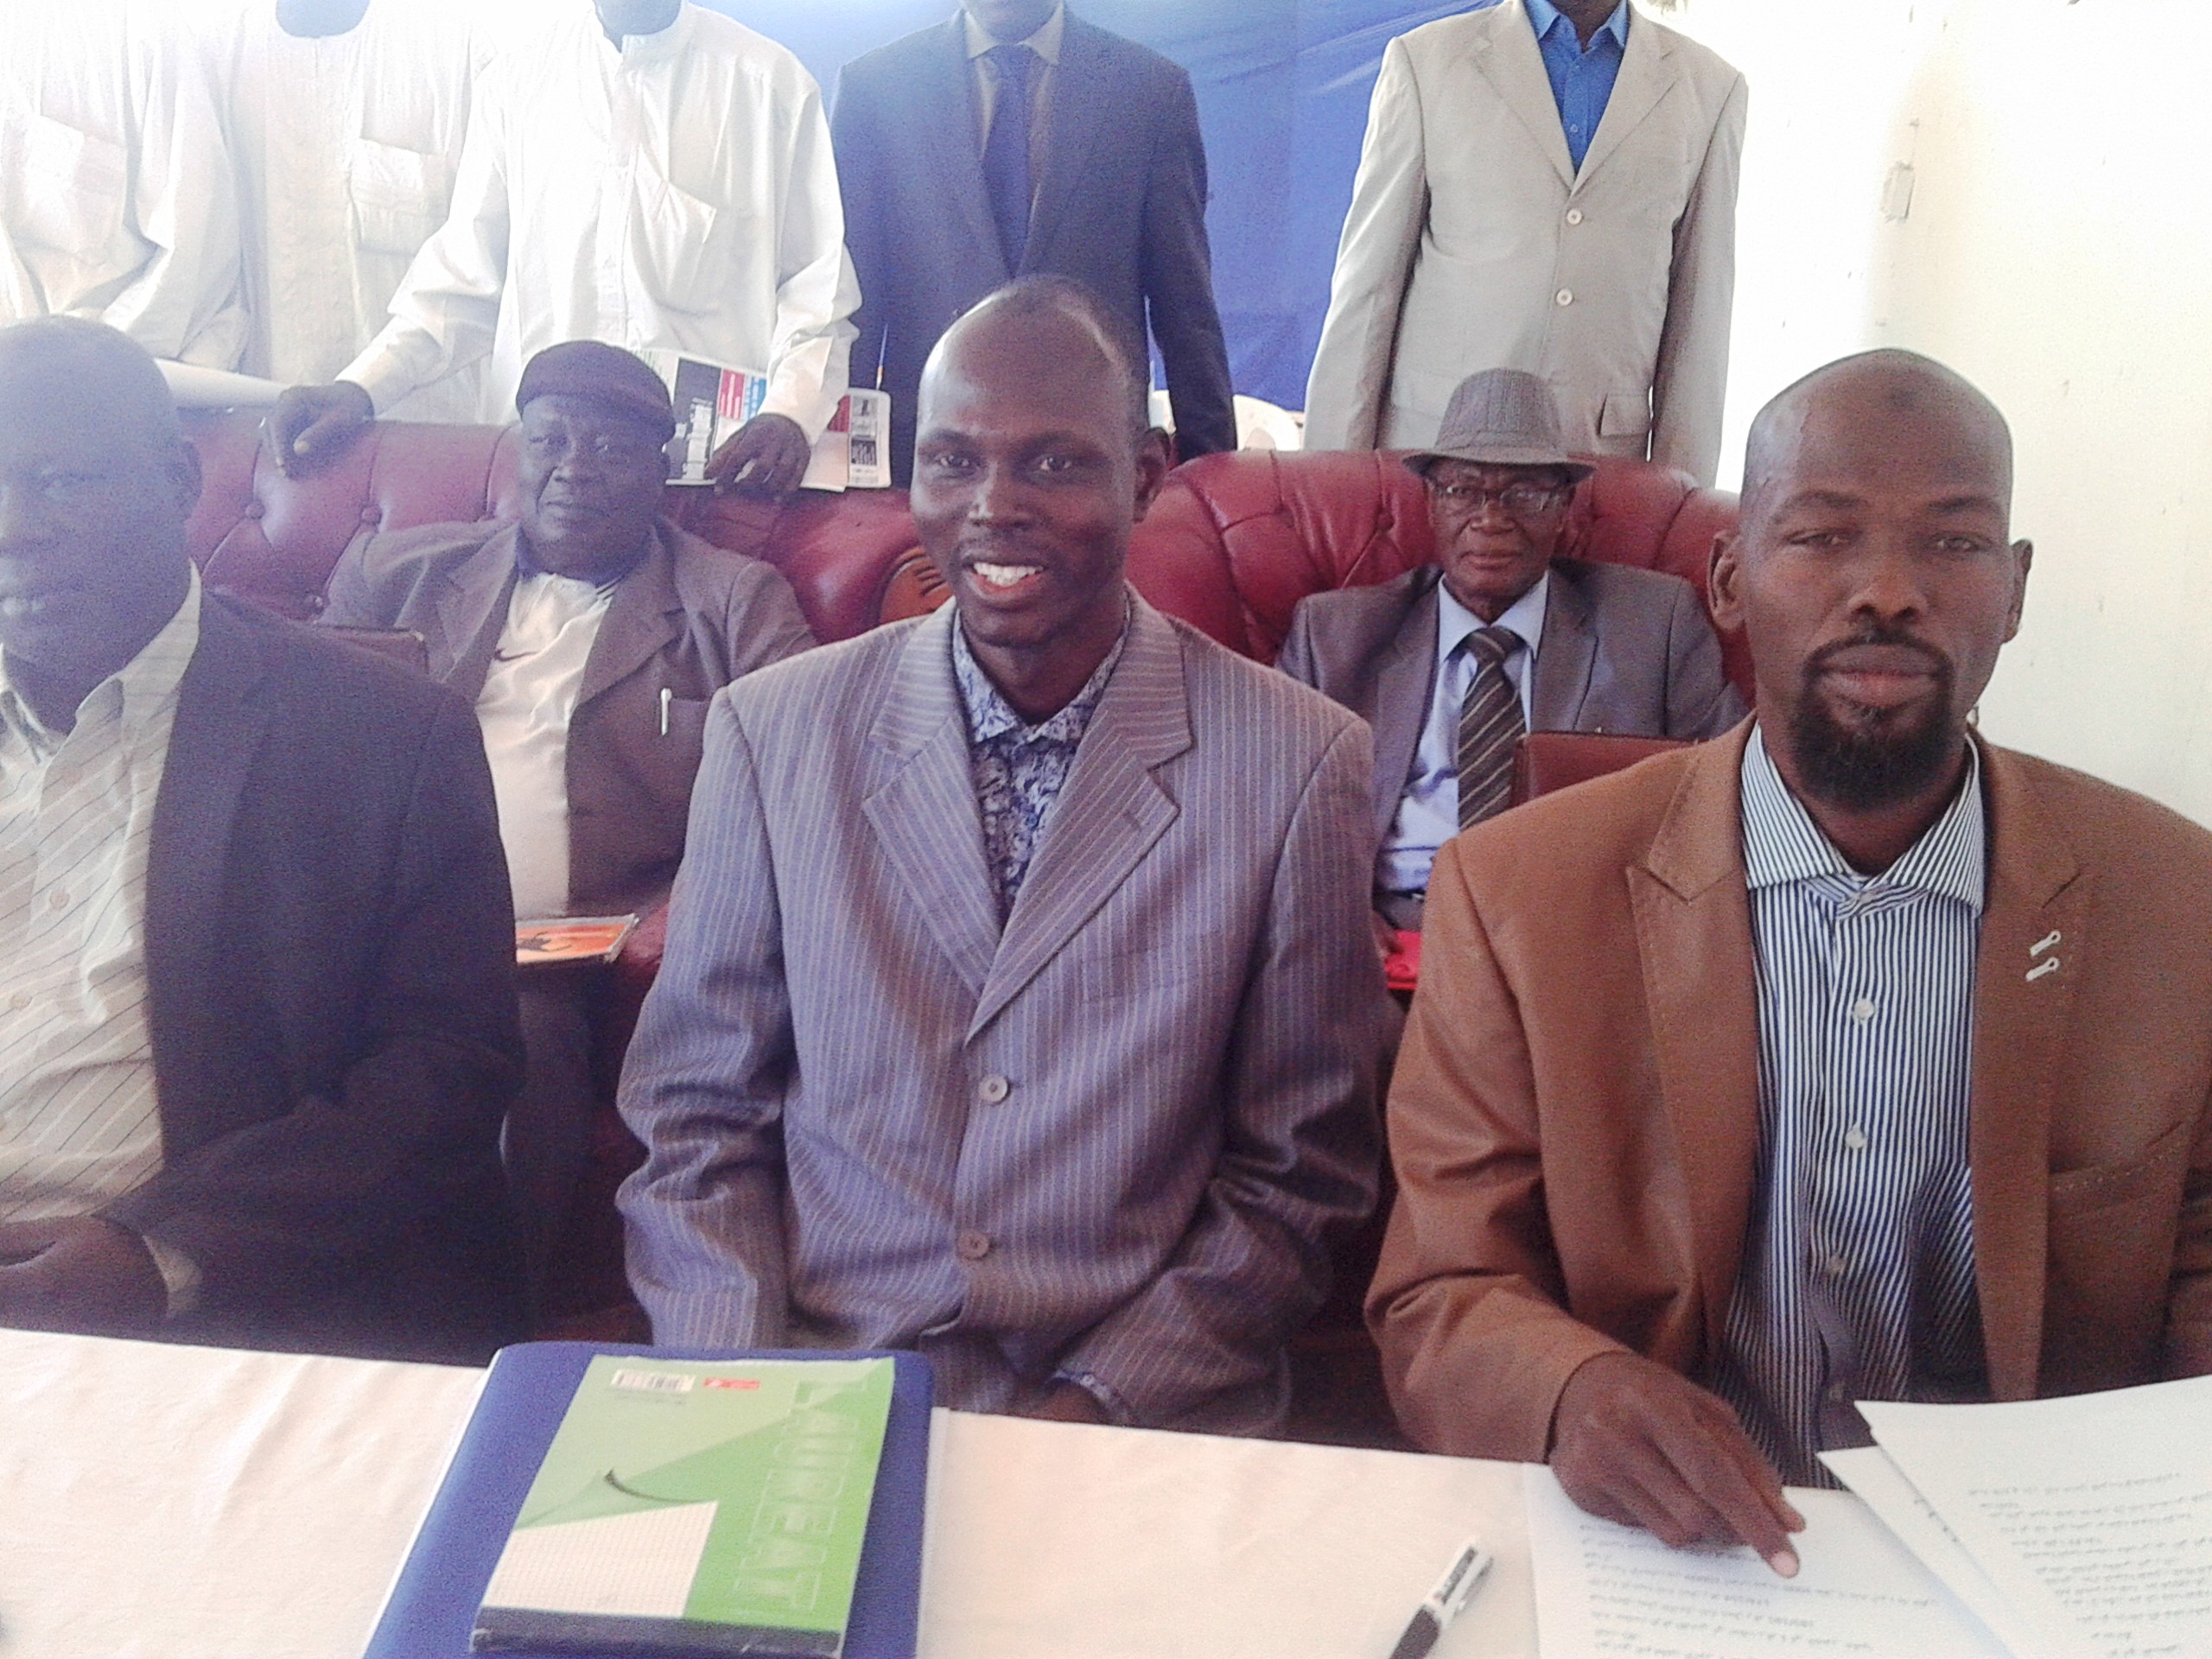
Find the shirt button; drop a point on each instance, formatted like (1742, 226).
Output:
(1565, 296)
(974, 1246)
(1855, 1138)
(993, 1089)
(1863, 1009)
(1574, 215)
(1835, 1267)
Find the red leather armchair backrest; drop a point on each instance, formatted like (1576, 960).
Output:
(1234, 542)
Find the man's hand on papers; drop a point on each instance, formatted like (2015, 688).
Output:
(1068, 1403)
(312, 424)
(78, 1273)
(768, 455)
(1636, 1443)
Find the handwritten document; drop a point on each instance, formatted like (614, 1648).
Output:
(1606, 1592)
(2092, 1515)
(1869, 1472)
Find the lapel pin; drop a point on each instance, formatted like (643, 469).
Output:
(2048, 966)
(2045, 943)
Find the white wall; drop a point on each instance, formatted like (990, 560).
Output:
(2058, 249)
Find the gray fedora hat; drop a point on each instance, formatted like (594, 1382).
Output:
(1501, 417)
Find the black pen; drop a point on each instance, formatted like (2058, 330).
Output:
(1444, 1603)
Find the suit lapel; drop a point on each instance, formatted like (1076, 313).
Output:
(1404, 689)
(1109, 813)
(924, 813)
(222, 717)
(1079, 95)
(1647, 76)
(1509, 58)
(472, 611)
(642, 617)
(1564, 656)
(945, 101)
(1694, 939)
(2034, 949)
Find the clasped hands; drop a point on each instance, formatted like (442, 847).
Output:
(1636, 1443)
(78, 1273)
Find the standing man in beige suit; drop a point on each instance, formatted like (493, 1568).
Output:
(1548, 186)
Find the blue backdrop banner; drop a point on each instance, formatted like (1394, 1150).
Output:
(1282, 89)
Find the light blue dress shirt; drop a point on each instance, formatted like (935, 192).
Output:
(1429, 813)
(1857, 1281)
(1582, 78)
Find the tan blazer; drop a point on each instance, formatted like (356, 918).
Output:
(687, 621)
(1575, 1112)
(1473, 242)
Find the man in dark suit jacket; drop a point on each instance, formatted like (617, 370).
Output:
(1614, 648)
(1105, 182)
(264, 957)
(588, 636)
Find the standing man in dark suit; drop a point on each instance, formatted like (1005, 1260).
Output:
(588, 636)
(1104, 181)
(1453, 661)
(257, 1013)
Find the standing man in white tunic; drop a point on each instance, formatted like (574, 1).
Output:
(344, 120)
(639, 172)
(115, 202)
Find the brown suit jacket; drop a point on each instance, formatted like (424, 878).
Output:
(690, 620)
(1575, 1112)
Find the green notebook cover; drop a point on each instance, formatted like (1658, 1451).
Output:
(695, 1507)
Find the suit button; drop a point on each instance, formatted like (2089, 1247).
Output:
(1574, 215)
(993, 1089)
(20, 1000)
(59, 901)
(1565, 296)
(974, 1246)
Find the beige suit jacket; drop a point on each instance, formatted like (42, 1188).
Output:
(1473, 242)
(1575, 1112)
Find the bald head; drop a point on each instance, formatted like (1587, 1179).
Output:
(1049, 307)
(1886, 398)
(96, 484)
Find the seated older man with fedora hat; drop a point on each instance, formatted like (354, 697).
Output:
(1453, 661)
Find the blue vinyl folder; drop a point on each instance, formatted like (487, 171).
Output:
(433, 1606)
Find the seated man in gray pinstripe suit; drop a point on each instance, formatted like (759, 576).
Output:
(1018, 1006)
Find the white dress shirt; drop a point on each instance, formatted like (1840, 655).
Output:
(528, 700)
(345, 149)
(115, 201)
(676, 192)
(78, 1123)
(983, 76)
(1429, 812)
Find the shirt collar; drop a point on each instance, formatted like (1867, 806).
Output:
(1546, 16)
(990, 715)
(526, 566)
(142, 685)
(645, 48)
(1046, 43)
(1525, 616)
(1782, 844)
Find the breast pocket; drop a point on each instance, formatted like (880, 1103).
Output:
(399, 195)
(690, 250)
(67, 189)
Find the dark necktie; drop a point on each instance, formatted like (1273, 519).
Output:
(1006, 152)
(1490, 720)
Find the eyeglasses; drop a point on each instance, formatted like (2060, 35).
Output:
(1522, 500)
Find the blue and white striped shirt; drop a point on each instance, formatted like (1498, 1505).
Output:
(1858, 1272)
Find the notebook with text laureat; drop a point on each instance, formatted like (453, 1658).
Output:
(506, 1524)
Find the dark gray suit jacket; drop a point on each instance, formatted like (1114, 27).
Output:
(1120, 206)
(689, 620)
(1624, 651)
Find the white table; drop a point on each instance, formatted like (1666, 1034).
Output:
(160, 1503)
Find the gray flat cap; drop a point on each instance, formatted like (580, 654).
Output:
(1501, 417)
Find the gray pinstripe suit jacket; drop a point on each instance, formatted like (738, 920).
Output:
(1106, 1144)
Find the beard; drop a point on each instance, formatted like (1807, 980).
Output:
(1895, 755)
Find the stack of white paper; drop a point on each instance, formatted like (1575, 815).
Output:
(2074, 1528)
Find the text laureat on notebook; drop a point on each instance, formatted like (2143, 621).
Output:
(695, 1507)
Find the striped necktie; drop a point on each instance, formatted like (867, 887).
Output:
(1490, 720)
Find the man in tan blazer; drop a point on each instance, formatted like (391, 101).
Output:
(1484, 234)
(588, 636)
(1848, 1057)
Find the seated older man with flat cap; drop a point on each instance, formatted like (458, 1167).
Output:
(1453, 661)
(589, 635)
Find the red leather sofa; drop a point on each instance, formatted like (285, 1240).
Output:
(1232, 545)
